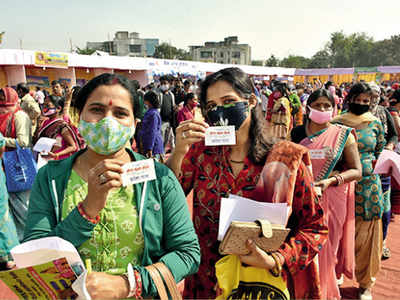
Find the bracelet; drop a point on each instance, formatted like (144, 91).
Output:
(277, 270)
(132, 281)
(138, 293)
(339, 179)
(85, 216)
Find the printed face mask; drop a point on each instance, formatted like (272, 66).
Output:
(358, 109)
(49, 111)
(230, 114)
(106, 136)
(320, 117)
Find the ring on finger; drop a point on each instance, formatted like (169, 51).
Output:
(102, 178)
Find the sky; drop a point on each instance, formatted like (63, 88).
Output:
(282, 28)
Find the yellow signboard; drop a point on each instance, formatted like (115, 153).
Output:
(51, 59)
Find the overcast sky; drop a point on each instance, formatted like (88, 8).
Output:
(270, 27)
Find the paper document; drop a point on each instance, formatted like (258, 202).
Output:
(388, 161)
(237, 208)
(220, 135)
(43, 250)
(44, 144)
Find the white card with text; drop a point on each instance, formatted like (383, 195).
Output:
(220, 136)
(138, 171)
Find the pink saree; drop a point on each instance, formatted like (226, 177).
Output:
(337, 255)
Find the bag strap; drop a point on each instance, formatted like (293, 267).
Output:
(169, 280)
(158, 272)
(155, 275)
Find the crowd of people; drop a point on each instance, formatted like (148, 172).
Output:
(311, 145)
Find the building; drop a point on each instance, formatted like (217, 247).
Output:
(228, 51)
(127, 44)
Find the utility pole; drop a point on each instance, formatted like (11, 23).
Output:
(70, 44)
(20, 43)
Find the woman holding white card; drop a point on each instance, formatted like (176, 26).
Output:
(336, 166)
(244, 169)
(82, 199)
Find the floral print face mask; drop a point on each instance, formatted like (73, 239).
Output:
(106, 136)
(230, 114)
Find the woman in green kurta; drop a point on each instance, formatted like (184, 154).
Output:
(368, 194)
(82, 199)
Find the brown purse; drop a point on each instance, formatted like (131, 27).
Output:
(269, 237)
(160, 273)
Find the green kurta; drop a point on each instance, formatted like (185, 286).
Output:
(116, 240)
(369, 198)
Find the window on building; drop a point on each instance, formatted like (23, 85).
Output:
(135, 48)
(206, 54)
(221, 54)
(236, 54)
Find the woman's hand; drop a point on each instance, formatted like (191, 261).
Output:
(104, 286)
(105, 176)
(325, 183)
(53, 155)
(257, 257)
(189, 132)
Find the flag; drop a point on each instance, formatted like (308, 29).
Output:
(1, 36)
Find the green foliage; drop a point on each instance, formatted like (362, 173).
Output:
(85, 51)
(168, 51)
(257, 62)
(346, 51)
(272, 61)
(294, 61)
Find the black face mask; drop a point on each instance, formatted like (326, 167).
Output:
(229, 115)
(358, 109)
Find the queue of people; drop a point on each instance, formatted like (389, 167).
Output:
(311, 146)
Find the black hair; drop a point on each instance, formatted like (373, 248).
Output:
(152, 98)
(57, 101)
(260, 142)
(187, 82)
(74, 96)
(23, 87)
(356, 90)
(188, 97)
(321, 93)
(166, 78)
(55, 82)
(103, 79)
(396, 97)
(328, 84)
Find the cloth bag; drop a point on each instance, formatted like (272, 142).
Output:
(20, 169)
(239, 282)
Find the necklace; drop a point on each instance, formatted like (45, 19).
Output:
(236, 162)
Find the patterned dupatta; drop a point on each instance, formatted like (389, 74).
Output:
(330, 142)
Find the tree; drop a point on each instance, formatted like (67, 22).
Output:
(295, 61)
(272, 61)
(257, 62)
(85, 51)
(168, 51)
(321, 59)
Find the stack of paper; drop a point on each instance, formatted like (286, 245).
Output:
(241, 209)
(43, 250)
(388, 162)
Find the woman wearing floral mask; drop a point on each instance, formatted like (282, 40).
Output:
(368, 191)
(57, 128)
(81, 199)
(336, 165)
(228, 98)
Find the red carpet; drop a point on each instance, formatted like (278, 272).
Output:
(388, 281)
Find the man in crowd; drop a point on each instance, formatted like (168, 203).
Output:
(28, 104)
(167, 112)
(57, 88)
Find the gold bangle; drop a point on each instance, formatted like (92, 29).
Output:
(277, 270)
